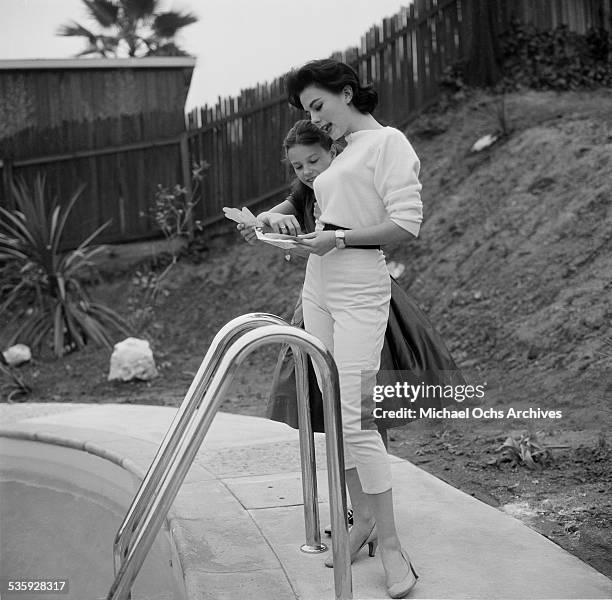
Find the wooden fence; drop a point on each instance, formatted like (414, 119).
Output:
(120, 128)
(115, 125)
(120, 184)
(241, 137)
(404, 57)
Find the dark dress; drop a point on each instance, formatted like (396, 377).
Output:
(412, 346)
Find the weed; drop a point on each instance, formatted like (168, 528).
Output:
(523, 451)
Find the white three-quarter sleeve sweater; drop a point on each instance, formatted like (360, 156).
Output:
(373, 180)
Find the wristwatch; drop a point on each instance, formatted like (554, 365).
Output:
(340, 240)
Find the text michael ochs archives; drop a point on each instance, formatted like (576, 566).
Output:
(466, 413)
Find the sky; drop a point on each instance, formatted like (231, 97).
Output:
(237, 43)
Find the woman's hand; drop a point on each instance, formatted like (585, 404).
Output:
(280, 223)
(318, 242)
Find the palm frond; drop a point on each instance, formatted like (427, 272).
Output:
(13, 296)
(58, 232)
(73, 328)
(82, 257)
(139, 9)
(92, 50)
(125, 27)
(167, 24)
(11, 249)
(109, 43)
(58, 330)
(105, 12)
(16, 225)
(34, 329)
(108, 315)
(90, 327)
(87, 241)
(75, 29)
(31, 218)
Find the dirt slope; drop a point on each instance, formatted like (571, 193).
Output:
(515, 259)
(513, 265)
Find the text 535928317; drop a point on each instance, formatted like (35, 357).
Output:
(9, 585)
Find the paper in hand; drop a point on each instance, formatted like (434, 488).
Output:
(248, 219)
(244, 216)
(277, 239)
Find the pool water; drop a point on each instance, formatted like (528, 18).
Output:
(59, 514)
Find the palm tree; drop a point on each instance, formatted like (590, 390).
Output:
(132, 28)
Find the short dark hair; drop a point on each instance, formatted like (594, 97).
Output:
(333, 76)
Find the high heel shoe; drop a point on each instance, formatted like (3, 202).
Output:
(371, 540)
(349, 518)
(401, 588)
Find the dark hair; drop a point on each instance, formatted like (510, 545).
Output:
(333, 76)
(305, 132)
(303, 198)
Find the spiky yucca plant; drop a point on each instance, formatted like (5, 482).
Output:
(51, 283)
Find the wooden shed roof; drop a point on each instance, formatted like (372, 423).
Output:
(153, 62)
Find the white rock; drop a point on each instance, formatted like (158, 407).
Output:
(17, 355)
(132, 359)
(484, 142)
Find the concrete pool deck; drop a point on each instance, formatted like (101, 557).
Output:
(238, 519)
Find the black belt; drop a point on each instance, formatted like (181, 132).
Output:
(330, 227)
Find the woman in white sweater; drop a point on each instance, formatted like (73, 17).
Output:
(370, 195)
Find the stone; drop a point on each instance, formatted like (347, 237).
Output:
(17, 355)
(132, 359)
(484, 142)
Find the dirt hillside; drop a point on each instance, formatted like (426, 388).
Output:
(513, 265)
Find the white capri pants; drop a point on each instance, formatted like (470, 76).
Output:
(346, 305)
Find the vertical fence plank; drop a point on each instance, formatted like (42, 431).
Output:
(7, 183)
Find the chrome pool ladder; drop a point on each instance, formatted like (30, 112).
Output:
(230, 347)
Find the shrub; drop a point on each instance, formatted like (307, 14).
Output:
(173, 211)
(557, 59)
(51, 283)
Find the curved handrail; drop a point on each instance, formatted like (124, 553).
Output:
(221, 342)
(148, 526)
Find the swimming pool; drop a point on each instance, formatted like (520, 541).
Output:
(59, 513)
